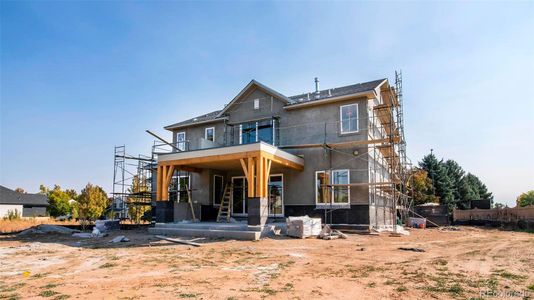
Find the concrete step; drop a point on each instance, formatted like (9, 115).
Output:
(211, 233)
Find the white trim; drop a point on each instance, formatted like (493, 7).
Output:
(240, 134)
(348, 181)
(215, 175)
(178, 187)
(315, 186)
(230, 150)
(206, 133)
(180, 144)
(256, 104)
(283, 188)
(341, 119)
(331, 203)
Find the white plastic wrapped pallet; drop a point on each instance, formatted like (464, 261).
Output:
(303, 227)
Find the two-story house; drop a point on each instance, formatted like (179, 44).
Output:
(329, 153)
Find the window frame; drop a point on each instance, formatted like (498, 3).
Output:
(256, 104)
(341, 119)
(331, 202)
(180, 144)
(206, 133)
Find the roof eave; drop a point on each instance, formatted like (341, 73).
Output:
(368, 94)
(171, 127)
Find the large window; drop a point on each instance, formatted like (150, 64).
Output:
(252, 132)
(209, 134)
(179, 188)
(335, 194)
(348, 116)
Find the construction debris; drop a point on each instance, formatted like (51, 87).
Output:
(178, 241)
(412, 249)
(450, 228)
(83, 235)
(48, 229)
(303, 227)
(331, 234)
(119, 239)
(107, 225)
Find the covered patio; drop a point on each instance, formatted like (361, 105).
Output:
(255, 160)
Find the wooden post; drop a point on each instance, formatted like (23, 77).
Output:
(260, 182)
(250, 177)
(164, 186)
(158, 184)
(267, 169)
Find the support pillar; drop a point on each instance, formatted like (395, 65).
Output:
(258, 211)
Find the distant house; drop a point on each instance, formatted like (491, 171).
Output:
(29, 205)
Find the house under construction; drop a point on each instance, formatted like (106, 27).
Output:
(337, 153)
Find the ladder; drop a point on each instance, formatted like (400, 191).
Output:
(225, 207)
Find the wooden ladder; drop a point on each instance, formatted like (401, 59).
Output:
(225, 207)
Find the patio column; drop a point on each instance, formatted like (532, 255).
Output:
(257, 171)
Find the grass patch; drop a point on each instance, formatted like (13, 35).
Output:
(10, 296)
(288, 287)
(11, 288)
(107, 265)
(531, 287)
(371, 284)
(508, 275)
(440, 262)
(62, 297)
(401, 289)
(48, 293)
(188, 295)
(49, 286)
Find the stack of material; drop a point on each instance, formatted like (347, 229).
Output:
(107, 225)
(303, 227)
(417, 222)
(331, 234)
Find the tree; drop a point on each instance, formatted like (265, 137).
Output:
(499, 205)
(472, 188)
(441, 183)
(58, 201)
(422, 188)
(526, 199)
(139, 202)
(455, 174)
(20, 190)
(92, 202)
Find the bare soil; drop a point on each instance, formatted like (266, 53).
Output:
(470, 263)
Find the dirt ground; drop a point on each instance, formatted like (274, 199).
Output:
(473, 263)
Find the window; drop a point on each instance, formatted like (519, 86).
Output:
(252, 132)
(340, 194)
(336, 194)
(348, 115)
(218, 189)
(179, 188)
(321, 191)
(180, 141)
(256, 103)
(209, 134)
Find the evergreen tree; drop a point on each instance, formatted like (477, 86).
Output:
(442, 184)
(456, 174)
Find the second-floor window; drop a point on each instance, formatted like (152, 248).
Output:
(209, 134)
(348, 117)
(180, 141)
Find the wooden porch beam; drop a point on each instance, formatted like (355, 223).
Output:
(260, 182)
(158, 184)
(250, 177)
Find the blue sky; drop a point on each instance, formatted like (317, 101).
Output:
(78, 78)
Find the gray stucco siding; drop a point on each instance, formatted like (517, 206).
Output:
(195, 133)
(243, 109)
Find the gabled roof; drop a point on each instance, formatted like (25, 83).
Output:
(336, 92)
(9, 196)
(251, 85)
(290, 102)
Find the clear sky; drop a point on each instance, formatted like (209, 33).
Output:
(78, 78)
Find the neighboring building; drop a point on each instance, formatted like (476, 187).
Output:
(28, 205)
(338, 154)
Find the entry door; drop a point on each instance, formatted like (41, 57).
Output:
(239, 195)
